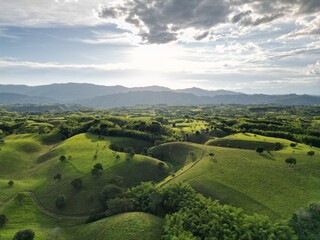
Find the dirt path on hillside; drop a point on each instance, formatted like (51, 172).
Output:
(45, 210)
(179, 174)
(53, 214)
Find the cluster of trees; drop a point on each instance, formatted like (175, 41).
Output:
(306, 222)
(293, 123)
(189, 215)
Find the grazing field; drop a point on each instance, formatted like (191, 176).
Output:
(261, 183)
(24, 214)
(79, 175)
(82, 152)
(246, 141)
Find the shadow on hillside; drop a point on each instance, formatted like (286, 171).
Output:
(267, 156)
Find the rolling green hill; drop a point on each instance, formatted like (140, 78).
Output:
(261, 183)
(126, 226)
(33, 165)
(23, 214)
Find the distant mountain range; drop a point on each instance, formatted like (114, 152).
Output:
(116, 96)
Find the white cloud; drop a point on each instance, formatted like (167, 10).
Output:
(48, 12)
(314, 69)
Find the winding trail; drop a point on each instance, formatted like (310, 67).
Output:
(45, 210)
(53, 214)
(181, 173)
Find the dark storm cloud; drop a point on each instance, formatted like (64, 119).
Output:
(163, 19)
(159, 21)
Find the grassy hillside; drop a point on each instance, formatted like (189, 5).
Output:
(32, 165)
(257, 182)
(18, 153)
(178, 155)
(23, 214)
(127, 226)
(245, 141)
(83, 151)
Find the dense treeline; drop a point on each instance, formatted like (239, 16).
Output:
(299, 124)
(189, 215)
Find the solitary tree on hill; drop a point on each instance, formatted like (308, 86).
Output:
(3, 220)
(310, 153)
(211, 155)
(62, 158)
(77, 183)
(293, 145)
(61, 202)
(291, 161)
(11, 183)
(259, 150)
(97, 169)
(57, 177)
(27, 234)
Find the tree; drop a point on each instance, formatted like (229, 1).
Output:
(119, 205)
(277, 146)
(291, 161)
(57, 177)
(310, 153)
(259, 150)
(61, 201)
(211, 155)
(27, 234)
(3, 220)
(77, 183)
(306, 222)
(62, 158)
(98, 166)
(130, 153)
(110, 191)
(293, 145)
(11, 183)
(161, 165)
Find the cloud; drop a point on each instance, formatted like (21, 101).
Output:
(314, 69)
(14, 63)
(42, 13)
(310, 28)
(164, 21)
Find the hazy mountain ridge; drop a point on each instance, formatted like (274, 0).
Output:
(116, 96)
(174, 98)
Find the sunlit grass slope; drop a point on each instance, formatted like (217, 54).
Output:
(258, 182)
(18, 154)
(247, 141)
(83, 151)
(127, 226)
(24, 214)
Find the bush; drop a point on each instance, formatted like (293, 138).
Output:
(306, 222)
(291, 161)
(110, 191)
(259, 150)
(3, 220)
(119, 205)
(62, 158)
(27, 234)
(77, 183)
(61, 202)
(11, 183)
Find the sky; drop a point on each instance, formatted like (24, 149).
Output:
(251, 46)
